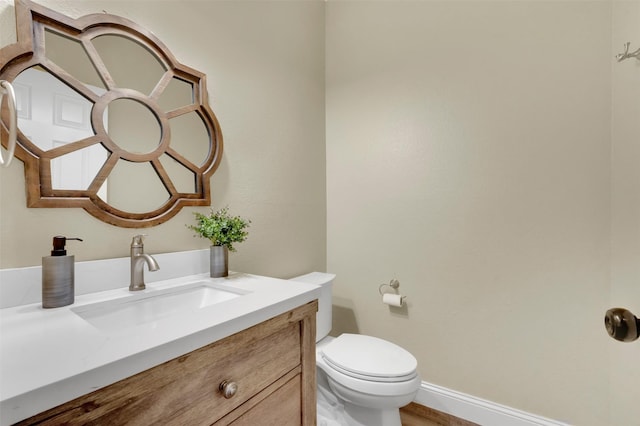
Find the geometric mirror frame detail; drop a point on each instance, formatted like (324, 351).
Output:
(99, 84)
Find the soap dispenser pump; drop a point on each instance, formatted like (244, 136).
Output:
(58, 271)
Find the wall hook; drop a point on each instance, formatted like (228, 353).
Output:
(626, 55)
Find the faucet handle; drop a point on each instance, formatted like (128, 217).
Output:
(138, 240)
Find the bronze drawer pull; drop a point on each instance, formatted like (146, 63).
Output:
(228, 389)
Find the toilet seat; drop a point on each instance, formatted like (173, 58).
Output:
(369, 358)
(369, 378)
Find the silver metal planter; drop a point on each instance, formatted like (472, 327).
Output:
(219, 261)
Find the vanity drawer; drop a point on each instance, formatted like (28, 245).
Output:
(185, 390)
(251, 367)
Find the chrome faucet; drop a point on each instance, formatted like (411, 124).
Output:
(138, 257)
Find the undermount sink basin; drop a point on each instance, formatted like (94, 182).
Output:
(151, 306)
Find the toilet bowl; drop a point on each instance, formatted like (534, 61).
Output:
(368, 378)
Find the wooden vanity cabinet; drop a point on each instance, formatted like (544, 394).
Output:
(271, 366)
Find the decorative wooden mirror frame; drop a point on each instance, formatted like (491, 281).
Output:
(32, 20)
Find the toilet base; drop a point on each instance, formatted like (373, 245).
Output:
(332, 411)
(350, 408)
(364, 416)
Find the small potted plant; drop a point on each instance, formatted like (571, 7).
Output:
(223, 230)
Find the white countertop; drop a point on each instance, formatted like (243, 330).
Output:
(50, 356)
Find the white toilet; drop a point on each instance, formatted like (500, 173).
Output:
(365, 378)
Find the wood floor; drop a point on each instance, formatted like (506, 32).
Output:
(419, 415)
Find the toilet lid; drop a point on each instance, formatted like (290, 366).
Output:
(370, 357)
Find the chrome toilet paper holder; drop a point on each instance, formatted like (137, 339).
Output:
(393, 297)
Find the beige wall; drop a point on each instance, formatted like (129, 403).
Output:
(265, 72)
(625, 197)
(468, 156)
(472, 153)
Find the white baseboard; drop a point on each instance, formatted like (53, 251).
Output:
(476, 410)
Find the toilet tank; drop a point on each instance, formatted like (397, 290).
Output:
(325, 308)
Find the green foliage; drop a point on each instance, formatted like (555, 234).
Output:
(221, 228)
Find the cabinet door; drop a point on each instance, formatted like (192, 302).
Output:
(281, 408)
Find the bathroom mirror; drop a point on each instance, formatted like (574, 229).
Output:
(108, 120)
